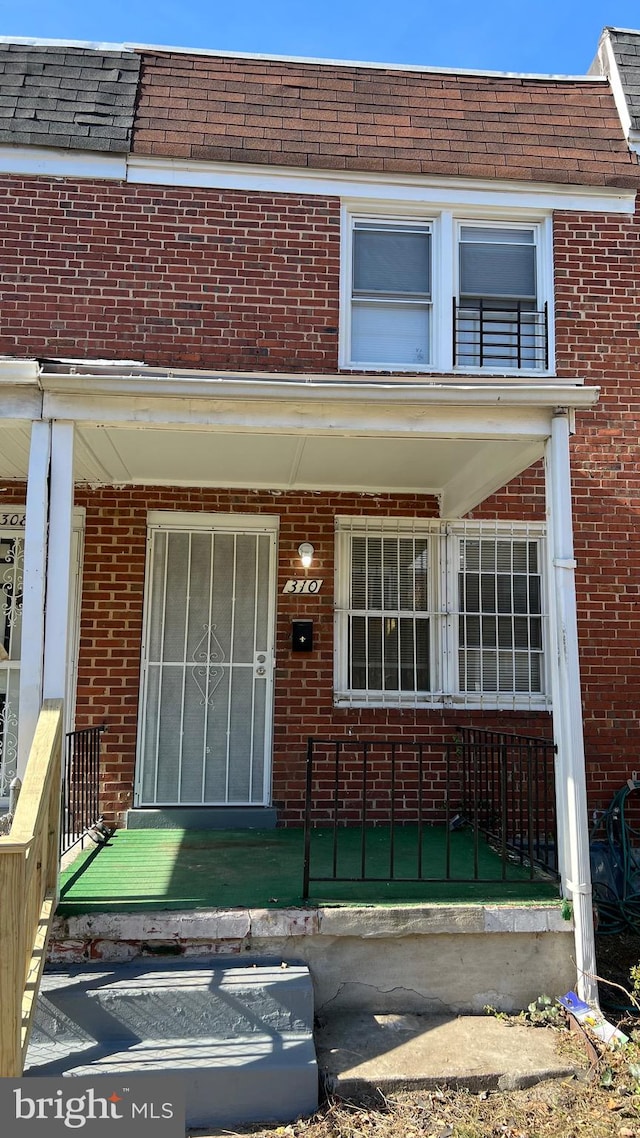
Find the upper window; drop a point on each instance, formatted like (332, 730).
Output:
(497, 320)
(439, 613)
(391, 297)
(440, 294)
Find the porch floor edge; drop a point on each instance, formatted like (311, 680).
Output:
(370, 921)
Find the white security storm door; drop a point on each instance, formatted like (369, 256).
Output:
(207, 672)
(11, 569)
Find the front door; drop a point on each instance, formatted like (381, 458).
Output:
(207, 661)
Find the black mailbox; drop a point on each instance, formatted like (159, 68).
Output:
(302, 636)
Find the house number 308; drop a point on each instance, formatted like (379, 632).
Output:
(310, 585)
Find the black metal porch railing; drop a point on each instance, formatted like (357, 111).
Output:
(508, 793)
(478, 809)
(491, 333)
(80, 786)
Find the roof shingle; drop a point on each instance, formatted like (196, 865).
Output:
(335, 116)
(626, 48)
(68, 97)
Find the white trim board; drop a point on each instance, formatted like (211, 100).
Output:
(52, 163)
(139, 48)
(439, 192)
(436, 190)
(191, 520)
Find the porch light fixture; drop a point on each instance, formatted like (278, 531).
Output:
(306, 554)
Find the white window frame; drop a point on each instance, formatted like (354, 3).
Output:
(443, 539)
(445, 225)
(543, 295)
(428, 305)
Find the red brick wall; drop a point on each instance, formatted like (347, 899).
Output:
(77, 262)
(598, 321)
(172, 277)
(108, 680)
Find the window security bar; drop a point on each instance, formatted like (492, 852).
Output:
(494, 333)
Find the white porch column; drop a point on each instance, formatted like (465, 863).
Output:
(573, 825)
(56, 636)
(34, 584)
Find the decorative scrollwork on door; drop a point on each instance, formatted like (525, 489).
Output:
(11, 560)
(208, 655)
(8, 745)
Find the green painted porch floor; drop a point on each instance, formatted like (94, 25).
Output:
(209, 869)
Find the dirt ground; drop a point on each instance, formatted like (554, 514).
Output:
(553, 1109)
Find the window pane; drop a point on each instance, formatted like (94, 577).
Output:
(373, 550)
(389, 643)
(500, 623)
(492, 269)
(497, 235)
(390, 333)
(358, 653)
(391, 262)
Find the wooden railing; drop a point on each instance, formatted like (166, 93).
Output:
(28, 888)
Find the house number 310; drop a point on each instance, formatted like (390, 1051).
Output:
(310, 585)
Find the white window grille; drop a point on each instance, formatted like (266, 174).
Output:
(499, 615)
(437, 613)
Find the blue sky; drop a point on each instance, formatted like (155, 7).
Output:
(558, 36)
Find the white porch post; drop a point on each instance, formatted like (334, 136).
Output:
(34, 584)
(573, 827)
(56, 638)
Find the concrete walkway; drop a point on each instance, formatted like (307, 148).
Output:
(358, 1053)
(361, 1053)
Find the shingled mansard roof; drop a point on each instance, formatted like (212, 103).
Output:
(67, 97)
(619, 58)
(314, 114)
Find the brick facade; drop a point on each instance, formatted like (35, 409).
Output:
(111, 628)
(201, 278)
(192, 278)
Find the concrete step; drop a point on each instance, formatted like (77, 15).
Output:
(203, 818)
(174, 1000)
(360, 1053)
(241, 1037)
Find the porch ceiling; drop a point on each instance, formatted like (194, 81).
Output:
(293, 462)
(460, 471)
(14, 448)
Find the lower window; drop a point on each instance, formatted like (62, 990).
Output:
(439, 613)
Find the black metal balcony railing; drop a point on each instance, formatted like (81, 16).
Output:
(493, 333)
(81, 788)
(478, 809)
